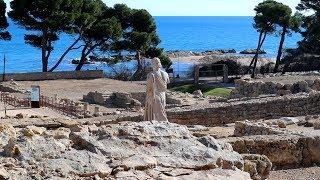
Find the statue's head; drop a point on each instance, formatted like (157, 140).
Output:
(156, 63)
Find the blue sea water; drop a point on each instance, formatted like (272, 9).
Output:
(176, 33)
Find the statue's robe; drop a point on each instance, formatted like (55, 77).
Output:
(156, 96)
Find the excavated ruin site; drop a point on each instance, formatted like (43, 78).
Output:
(268, 128)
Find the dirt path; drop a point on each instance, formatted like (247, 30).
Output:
(75, 89)
(312, 173)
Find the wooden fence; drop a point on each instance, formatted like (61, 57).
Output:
(14, 101)
(64, 106)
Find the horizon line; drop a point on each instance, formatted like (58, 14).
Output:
(201, 16)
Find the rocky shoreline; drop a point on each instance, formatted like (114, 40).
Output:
(182, 53)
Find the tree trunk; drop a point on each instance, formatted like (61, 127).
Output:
(82, 59)
(81, 63)
(138, 74)
(257, 56)
(253, 59)
(64, 54)
(44, 47)
(283, 36)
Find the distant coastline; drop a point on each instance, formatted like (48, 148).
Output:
(184, 33)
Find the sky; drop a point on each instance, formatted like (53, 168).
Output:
(196, 7)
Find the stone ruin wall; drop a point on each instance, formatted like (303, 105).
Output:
(245, 88)
(262, 108)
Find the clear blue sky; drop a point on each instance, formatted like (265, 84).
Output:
(196, 7)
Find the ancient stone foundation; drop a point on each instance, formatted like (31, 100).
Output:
(284, 151)
(256, 88)
(253, 109)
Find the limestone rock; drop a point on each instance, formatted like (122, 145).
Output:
(290, 120)
(95, 98)
(138, 162)
(126, 150)
(316, 125)
(61, 133)
(36, 130)
(125, 100)
(258, 166)
(197, 94)
(11, 149)
(21, 116)
(4, 174)
(7, 132)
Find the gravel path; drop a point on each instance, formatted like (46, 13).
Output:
(312, 173)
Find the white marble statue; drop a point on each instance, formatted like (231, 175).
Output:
(157, 81)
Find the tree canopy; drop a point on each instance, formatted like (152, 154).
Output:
(311, 26)
(44, 19)
(287, 23)
(4, 34)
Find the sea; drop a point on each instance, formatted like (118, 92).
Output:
(176, 33)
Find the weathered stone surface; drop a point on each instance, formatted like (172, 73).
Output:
(7, 132)
(316, 125)
(284, 151)
(258, 166)
(95, 98)
(246, 128)
(126, 150)
(125, 100)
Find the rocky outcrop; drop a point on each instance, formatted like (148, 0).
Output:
(284, 151)
(177, 54)
(253, 51)
(145, 150)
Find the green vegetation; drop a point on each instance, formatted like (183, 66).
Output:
(206, 90)
(44, 20)
(265, 20)
(95, 27)
(311, 27)
(288, 24)
(220, 92)
(4, 34)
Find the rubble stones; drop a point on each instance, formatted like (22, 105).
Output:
(247, 88)
(258, 166)
(246, 128)
(125, 100)
(95, 98)
(197, 94)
